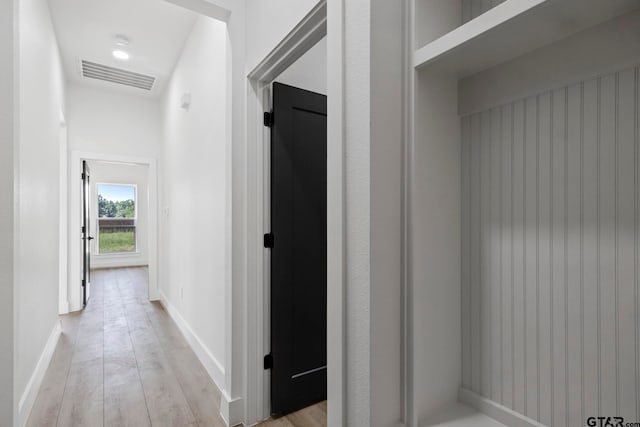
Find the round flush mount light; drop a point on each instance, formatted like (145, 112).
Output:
(122, 40)
(120, 54)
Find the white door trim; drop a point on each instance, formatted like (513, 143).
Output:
(74, 283)
(336, 240)
(305, 35)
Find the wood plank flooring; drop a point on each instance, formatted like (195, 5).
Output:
(123, 362)
(313, 416)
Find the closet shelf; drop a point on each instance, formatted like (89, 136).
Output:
(511, 29)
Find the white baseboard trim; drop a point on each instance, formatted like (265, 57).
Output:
(496, 411)
(210, 363)
(106, 264)
(28, 398)
(231, 410)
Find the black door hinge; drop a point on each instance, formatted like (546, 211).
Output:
(82, 176)
(268, 240)
(268, 361)
(83, 228)
(268, 119)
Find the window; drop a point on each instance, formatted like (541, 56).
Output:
(116, 218)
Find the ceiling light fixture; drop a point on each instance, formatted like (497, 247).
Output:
(122, 40)
(120, 54)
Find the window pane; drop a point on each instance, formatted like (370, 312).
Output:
(116, 201)
(116, 218)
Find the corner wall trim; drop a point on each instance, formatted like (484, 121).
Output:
(495, 410)
(63, 307)
(231, 410)
(210, 363)
(28, 398)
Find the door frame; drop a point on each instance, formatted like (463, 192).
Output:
(74, 291)
(323, 20)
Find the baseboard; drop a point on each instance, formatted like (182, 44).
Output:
(33, 386)
(210, 363)
(231, 410)
(116, 263)
(496, 411)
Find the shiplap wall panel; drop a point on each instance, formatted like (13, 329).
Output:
(544, 309)
(485, 252)
(507, 331)
(466, 254)
(530, 229)
(558, 258)
(518, 257)
(590, 245)
(474, 8)
(466, 11)
(495, 270)
(550, 252)
(474, 284)
(627, 233)
(574, 255)
(607, 283)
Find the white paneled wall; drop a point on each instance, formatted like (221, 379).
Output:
(550, 247)
(474, 8)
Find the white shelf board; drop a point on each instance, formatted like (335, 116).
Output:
(511, 29)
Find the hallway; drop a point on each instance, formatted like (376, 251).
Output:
(123, 362)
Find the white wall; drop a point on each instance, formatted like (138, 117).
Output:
(41, 100)
(194, 184)
(101, 121)
(267, 23)
(234, 405)
(474, 8)
(309, 72)
(435, 247)
(8, 12)
(114, 173)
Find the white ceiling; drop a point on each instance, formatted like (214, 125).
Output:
(86, 29)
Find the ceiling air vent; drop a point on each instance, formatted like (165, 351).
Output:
(93, 70)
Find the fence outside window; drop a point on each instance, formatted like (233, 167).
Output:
(116, 235)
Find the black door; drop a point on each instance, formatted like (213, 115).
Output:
(299, 254)
(86, 234)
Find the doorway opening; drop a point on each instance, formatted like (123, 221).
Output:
(294, 383)
(114, 206)
(115, 217)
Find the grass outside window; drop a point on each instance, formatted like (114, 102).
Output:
(117, 241)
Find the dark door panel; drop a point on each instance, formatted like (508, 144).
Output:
(299, 254)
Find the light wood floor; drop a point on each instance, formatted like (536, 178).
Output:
(123, 362)
(313, 416)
